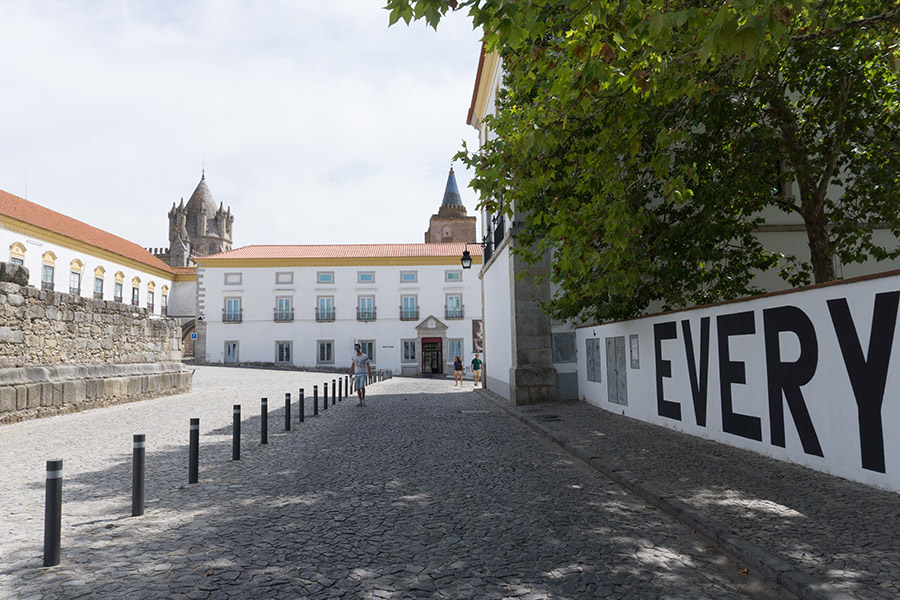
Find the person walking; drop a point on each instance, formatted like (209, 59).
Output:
(457, 371)
(476, 368)
(360, 370)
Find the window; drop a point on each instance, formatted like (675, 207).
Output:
(135, 296)
(325, 309)
(283, 352)
(452, 275)
(98, 288)
(454, 349)
(150, 301)
(17, 253)
(366, 309)
(409, 311)
(325, 355)
(365, 277)
(325, 276)
(232, 311)
(164, 305)
(47, 277)
(283, 309)
(454, 308)
(409, 276)
(117, 292)
(75, 283)
(284, 278)
(368, 348)
(233, 279)
(408, 348)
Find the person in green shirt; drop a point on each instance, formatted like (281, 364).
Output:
(476, 368)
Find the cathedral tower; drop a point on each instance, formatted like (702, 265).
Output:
(198, 228)
(451, 224)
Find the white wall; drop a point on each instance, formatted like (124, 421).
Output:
(36, 247)
(183, 299)
(498, 359)
(772, 359)
(258, 333)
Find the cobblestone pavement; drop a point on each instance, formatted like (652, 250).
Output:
(829, 537)
(427, 492)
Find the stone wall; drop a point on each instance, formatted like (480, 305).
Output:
(61, 353)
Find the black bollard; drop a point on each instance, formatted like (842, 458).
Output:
(334, 393)
(325, 398)
(264, 421)
(236, 433)
(194, 455)
(340, 390)
(347, 385)
(137, 476)
(301, 403)
(287, 411)
(315, 401)
(53, 513)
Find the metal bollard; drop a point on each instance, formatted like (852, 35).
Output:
(347, 385)
(334, 394)
(236, 433)
(264, 421)
(325, 398)
(194, 455)
(287, 411)
(302, 406)
(53, 513)
(340, 390)
(315, 401)
(137, 475)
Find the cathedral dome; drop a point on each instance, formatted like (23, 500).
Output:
(202, 200)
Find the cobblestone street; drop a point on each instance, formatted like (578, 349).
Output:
(429, 491)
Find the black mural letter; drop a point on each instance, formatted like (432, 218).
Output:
(699, 385)
(664, 331)
(868, 374)
(789, 377)
(733, 372)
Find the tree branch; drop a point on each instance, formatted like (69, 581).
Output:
(892, 15)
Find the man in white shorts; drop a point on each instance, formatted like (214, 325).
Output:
(361, 370)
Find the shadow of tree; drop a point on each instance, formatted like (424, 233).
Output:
(408, 497)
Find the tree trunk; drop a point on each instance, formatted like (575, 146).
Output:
(821, 252)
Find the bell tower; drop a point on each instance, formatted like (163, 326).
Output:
(451, 223)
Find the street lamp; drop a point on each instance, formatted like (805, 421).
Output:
(466, 260)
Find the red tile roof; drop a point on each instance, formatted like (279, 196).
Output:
(34, 214)
(348, 251)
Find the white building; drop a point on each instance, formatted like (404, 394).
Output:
(411, 306)
(65, 255)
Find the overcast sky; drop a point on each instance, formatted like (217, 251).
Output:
(316, 122)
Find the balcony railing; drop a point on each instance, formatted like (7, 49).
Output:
(284, 316)
(164, 310)
(150, 307)
(98, 295)
(74, 291)
(454, 312)
(232, 316)
(365, 314)
(325, 315)
(135, 302)
(409, 314)
(117, 298)
(46, 285)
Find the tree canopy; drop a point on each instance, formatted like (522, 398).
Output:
(644, 142)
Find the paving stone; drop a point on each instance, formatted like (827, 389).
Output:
(410, 497)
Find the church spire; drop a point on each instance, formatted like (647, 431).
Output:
(451, 192)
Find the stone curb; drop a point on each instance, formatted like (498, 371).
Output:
(767, 565)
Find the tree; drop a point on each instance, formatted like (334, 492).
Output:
(643, 141)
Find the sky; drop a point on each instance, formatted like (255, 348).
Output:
(314, 121)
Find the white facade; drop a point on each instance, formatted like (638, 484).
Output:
(808, 376)
(412, 314)
(91, 263)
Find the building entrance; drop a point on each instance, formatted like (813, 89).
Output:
(432, 356)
